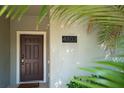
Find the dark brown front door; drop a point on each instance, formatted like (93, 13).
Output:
(31, 57)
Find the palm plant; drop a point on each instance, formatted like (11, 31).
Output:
(16, 12)
(109, 20)
(107, 74)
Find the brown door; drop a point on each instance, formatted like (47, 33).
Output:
(31, 57)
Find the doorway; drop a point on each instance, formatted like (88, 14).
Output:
(31, 56)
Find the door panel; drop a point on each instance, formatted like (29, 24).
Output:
(31, 57)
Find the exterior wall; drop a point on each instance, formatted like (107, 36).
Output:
(66, 58)
(27, 23)
(4, 52)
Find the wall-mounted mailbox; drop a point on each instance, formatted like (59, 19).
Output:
(69, 39)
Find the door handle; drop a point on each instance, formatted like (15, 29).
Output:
(22, 61)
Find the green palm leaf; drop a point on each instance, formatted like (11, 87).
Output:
(11, 11)
(23, 11)
(14, 11)
(3, 10)
(101, 81)
(88, 84)
(19, 11)
(98, 15)
(117, 65)
(108, 74)
(43, 12)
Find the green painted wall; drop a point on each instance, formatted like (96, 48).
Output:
(4, 52)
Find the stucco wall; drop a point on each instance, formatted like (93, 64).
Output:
(27, 23)
(4, 52)
(65, 58)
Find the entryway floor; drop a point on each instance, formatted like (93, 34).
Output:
(31, 85)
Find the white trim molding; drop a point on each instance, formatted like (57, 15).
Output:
(18, 54)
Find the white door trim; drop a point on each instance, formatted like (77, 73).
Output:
(18, 54)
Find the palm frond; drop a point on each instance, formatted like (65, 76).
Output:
(116, 65)
(109, 19)
(99, 81)
(43, 12)
(79, 12)
(107, 73)
(3, 10)
(88, 84)
(13, 11)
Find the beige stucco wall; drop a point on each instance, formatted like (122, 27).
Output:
(27, 23)
(4, 52)
(66, 58)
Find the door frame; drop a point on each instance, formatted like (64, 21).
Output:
(18, 55)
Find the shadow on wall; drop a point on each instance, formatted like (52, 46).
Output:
(4, 52)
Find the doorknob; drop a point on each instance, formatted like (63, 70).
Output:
(22, 60)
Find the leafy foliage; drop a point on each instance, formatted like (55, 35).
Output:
(73, 84)
(43, 12)
(106, 74)
(17, 11)
(109, 75)
(109, 20)
(13, 11)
